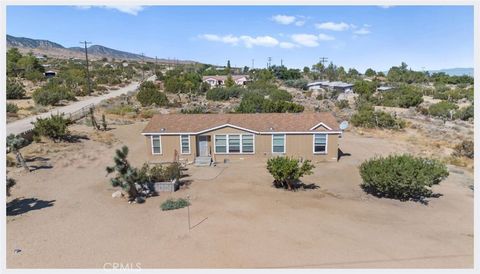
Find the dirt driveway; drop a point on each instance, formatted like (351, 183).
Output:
(239, 220)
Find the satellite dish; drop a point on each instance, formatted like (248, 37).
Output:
(343, 125)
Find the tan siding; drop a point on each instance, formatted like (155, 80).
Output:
(297, 145)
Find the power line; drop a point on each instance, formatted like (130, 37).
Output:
(89, 85)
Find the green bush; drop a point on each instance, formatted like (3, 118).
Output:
(149, 95)
(14, 90)
(172, 204)
(341, 104)
(287, 171)
(253, 102)
(224, 93)
(280, 95)
(464, 149)
(121, 110)
(402, 177)
(299, 83)
(442, 109)
(12, 108)
(54, 127)
(368, 118)
(465, 113)
(404, 96)
(160, 173)
(52, 93)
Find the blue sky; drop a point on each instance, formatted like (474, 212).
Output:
(430, 37)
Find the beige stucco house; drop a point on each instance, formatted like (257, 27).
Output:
(219, 80)
(215, 137)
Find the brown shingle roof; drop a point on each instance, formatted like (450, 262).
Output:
(259, 122)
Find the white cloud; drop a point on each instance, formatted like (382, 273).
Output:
(263, 41)
(333, 26)
(287, 45)
(300, 23)
(283, 19)
(362, 31)
(129, 9)
(386, 6)
(325, 37)
(307, 40)
(227, 39)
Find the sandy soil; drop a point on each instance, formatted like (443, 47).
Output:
(239, 220)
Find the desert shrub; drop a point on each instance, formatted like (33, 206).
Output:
(12, 108)
(224, 93)
(442, 109)
(404, 96)
(14, 90)
(464, 149)
(150, 95)
(195, 110)
(172, 204)
(341, 104)
(162, 173)
(369, 118)
(299, 83)
(454, 95)
(147, 113)
(54, 127)
(253, 102)
(9, 184)
(287, 171)
(52, 93)
(364, 88)
(465, 113)
(10, 161)
(280, 95)
(402, 177)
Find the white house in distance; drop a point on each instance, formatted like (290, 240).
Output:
(341, 86)
(219, 80)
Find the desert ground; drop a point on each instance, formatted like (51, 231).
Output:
(62, 215)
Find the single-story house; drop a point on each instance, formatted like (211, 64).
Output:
(310, 136)
(219, 80)
(340, 86)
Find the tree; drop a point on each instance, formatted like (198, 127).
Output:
(126, 177)
(14, 143)
(370, 73)
(15, 90)
(13, 55)
(229, 82)
(306, 70)
(149, 95)
(54, 127)
(287, 171)
(229, 69)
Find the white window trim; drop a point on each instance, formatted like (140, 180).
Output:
(326, 144)
(284, 144)
(189, 145)
(228, 146)
(159, 141)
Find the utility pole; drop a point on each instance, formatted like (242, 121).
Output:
(323, 60)
(143, 63)
(253, 63)
(155, 65)
(89, 85)
(281, 62)
(269, 62)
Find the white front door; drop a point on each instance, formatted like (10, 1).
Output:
(203, 145)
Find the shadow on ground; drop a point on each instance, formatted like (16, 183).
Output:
(20, 206)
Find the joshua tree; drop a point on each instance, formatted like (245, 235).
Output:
(14, 143)
(104, 123)
(94, 121)
(127, 177)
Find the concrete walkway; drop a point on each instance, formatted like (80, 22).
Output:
(23, 125)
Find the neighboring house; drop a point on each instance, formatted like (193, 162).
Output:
(219, 80)
(312, 136)
(340, 86)
(381, 89)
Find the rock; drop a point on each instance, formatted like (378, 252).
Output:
(117, 194)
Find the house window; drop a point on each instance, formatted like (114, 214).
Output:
(185, 144)
(156, 144)
(247, 143)
(220, 143)
(320, 143)
(233, 143)
(278, 143)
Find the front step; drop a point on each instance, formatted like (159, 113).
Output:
(203, 161)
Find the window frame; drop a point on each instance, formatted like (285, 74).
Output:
(227, 135)
(326, 144)
(284, 143)
(189, 145)
(159, 142)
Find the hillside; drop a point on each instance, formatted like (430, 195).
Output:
(40, 47)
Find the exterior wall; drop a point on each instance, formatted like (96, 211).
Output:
(297, 145)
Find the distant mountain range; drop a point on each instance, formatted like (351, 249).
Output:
(455, 71)
(53, 49)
